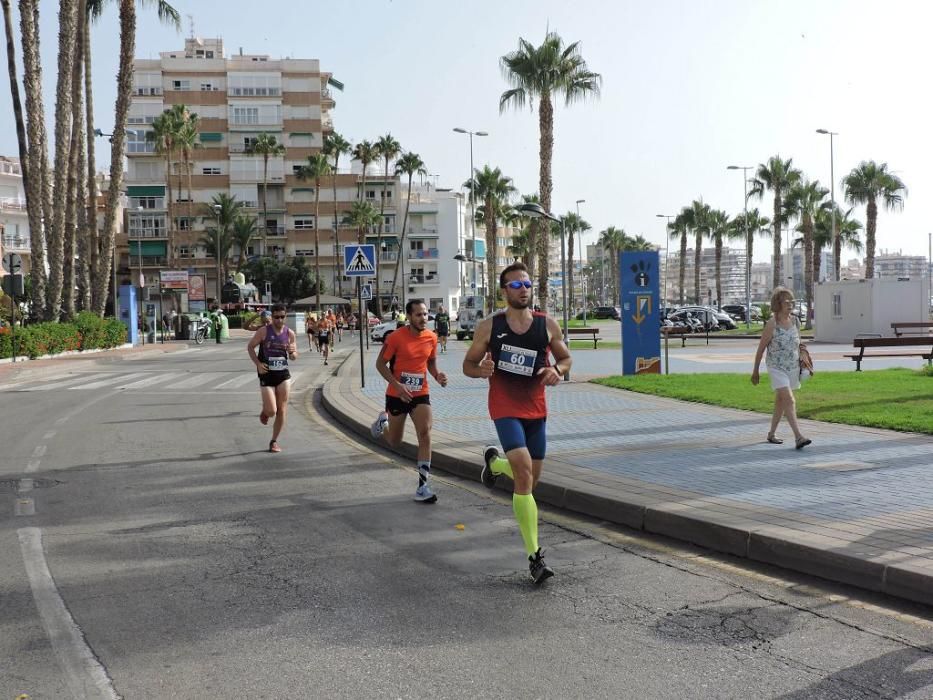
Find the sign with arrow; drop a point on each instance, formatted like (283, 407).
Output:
(12, 263)
(359, 260)
(641, 324)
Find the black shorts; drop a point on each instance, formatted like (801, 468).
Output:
(273, 379)
(443, 332)
(396, 407)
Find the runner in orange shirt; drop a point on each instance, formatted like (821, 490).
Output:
(406, 358)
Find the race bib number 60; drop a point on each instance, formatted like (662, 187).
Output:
(517, 360)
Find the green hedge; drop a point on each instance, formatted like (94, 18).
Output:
(87, 332)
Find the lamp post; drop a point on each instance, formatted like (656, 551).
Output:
(139, 259)
(580, 259)
(667, 249)
(536, 211)
(748, 260)
(837, 249)
(460, 130)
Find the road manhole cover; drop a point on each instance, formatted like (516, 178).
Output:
(13, 485)
(844, 466)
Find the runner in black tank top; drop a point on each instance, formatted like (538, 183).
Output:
(277, 345)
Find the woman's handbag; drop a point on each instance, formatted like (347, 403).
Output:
(806, 363)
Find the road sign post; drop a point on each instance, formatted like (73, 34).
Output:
(360, 261)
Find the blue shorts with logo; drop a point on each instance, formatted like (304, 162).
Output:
(523, 432)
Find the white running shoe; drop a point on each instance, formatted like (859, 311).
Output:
(379, 426)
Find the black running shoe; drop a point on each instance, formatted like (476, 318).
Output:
(486, 476)
(539, 570)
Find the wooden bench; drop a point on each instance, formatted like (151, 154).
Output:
(911, 347)
(683, 332)
(912, 328)
(593, 332)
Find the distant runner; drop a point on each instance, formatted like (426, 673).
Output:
(277, 345)
(442, 327)
(406, 358)
(511, 350)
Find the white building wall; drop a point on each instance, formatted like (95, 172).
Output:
(851, 308)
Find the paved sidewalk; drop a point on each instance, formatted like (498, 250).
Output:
(855, 507)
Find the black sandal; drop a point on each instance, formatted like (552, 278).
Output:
(773, 440)
(802, 442)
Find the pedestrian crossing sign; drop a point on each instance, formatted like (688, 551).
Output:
(367, 292)
(359, 260)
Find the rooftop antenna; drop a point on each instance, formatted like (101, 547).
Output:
(191, 21)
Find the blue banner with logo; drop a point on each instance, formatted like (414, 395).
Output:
(641, 322)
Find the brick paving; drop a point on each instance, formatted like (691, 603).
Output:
(855, 506)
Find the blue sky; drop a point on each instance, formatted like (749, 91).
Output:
(689, 88)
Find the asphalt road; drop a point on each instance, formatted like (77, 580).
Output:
(170, 556)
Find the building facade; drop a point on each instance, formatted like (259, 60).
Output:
(237, 98)
(14, 221)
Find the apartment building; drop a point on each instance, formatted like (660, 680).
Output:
(14, 221)
(897, 265)
(237, 98)
(732, 276)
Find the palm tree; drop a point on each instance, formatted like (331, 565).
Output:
(757, 225)
(679, 229)
(168, 15)
(697, 218)
(388, 149)
(187, 141)
(316, 168)
(776, 175)
(408, 164)
(366, 153)
(847, 229)
(804, 199)
(363, 216)
(613, 240)
(639, 243)
(867, 183)
(14, 90)
(494, 189)
(165, 129)
(244, 231)
(335, 146)
(718, 227)
(520, 249)
(573, 224)
(542, 73)
(218, 239)
(266, 146)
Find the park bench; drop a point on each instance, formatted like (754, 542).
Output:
(909, 347)
(912, 328)
(683, 332)
(593, 332)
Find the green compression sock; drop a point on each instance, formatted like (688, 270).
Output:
(500, 465)
(526, 513)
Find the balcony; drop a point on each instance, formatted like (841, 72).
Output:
(16, 244)
(274, 230)
(388, 256)
(424, 254)
(11, 204)
(427, 280)
(158, 234)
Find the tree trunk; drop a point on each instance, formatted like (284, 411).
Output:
(749, 242)
(92, 233)
(317, 245)
(569, 279)
(83, 243)
(14, 91)
(777, 276)
(697, 254)
(683, 264)
(75, 172)
(817, 262)
(382, 223)
(837, 252)
(871, 224)
(67, 30)
(338, 289)
(719, 271)
(492, 289)
(265, 211)
(118, 146)
(38, 189)
(169, 202)
(545, 185)
(808, 267)
(401, 245)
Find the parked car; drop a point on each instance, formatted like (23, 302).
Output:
(711, 319)
(687, 319)
(613, 312)
(382, 331)
(737, 312)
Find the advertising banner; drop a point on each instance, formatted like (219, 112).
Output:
(196, 285)
(174, 279)
(641, 322)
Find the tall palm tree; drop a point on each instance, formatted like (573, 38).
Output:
(335, 146)
(613, 240)
(679, 228)
(757, 225)
(866, 184)
(388, 149)
(804, 199)
(777, 175)
(218, 239)
(638, 243)
(71, 261)
(366, 153)
(164, 133)
(519, 248)
(408, 164)
(244, 231)
(187, 141)
(316, 169)
(363, 216)
(494, 189)
(543, 73)
(573, 225)
(847, 229)
(168, 15)
(697, 218)
(268, 147)
(14, 90)
(718, 229)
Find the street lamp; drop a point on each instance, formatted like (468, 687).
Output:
(837, 248)
(460, 130)
(748, 260)
(667, 249)
(536, 211)
(580, 258)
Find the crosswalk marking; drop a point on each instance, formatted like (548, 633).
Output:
(191, 381)
(104, 382)
(149, 381)
(236, 381)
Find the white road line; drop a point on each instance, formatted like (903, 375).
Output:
(50, 384)
(191, 381)
(32, 465)
(236, 381)
(104, 382)
(12, 386)
(49, 435)
(39, 450)
(149, 381)
(84, 675)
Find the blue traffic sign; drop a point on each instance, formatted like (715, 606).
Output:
(641, 338)
(359, 260)
(367, 292)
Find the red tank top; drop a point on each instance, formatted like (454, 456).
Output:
(515, 389)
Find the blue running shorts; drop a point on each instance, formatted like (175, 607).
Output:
(523, 432)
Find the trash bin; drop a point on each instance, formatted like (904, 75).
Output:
(184, 327)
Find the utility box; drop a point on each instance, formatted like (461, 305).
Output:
(851, 308)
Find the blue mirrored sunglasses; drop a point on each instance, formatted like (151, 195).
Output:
(518, 284)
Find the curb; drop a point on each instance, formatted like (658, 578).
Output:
(67, 353)
(715, 524)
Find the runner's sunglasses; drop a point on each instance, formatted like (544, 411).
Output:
(518, 284)
(278, 317)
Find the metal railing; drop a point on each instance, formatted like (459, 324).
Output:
(424, 254)
(10, 203)
(423, 279)
(16, 243)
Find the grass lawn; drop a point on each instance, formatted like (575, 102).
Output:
(897, 399)
(588, 344)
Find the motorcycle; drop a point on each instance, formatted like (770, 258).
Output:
(200, 329)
